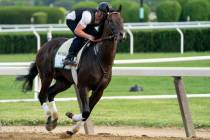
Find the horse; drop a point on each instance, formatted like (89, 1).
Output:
(94, 71)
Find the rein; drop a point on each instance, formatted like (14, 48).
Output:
(108, 37)
(105, 38)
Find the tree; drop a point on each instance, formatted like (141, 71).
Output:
(168, 11)
(197, 10)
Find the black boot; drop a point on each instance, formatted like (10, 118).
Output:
(73, 50)
(69, 60)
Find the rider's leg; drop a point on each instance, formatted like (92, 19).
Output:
(76, 45)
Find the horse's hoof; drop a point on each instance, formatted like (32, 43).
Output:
(50, 125)
(69, 115)
(54, 123)
(75, 130)
(67, 134)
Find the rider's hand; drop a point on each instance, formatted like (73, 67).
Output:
(91, 38)
(97, 40)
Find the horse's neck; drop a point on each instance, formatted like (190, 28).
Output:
(107, 52)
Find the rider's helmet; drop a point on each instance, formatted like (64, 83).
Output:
(104, 7)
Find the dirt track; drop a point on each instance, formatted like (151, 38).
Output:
(41, 136)
(102, 133)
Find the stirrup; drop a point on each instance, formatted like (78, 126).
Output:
(69, 62)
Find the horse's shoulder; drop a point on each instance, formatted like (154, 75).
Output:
(89, 49)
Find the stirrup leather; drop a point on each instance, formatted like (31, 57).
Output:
(70, 61)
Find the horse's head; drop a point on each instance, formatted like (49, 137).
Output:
(114, 25)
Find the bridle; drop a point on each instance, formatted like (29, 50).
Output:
(113, 34)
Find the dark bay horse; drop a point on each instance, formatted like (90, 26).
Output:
(94, 72)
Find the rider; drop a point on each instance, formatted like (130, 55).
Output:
(82, 23)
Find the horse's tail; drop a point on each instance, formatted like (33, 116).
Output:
(28, 79)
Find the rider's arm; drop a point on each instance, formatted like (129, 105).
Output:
(85, 20)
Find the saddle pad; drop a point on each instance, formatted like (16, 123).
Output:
(63, 52)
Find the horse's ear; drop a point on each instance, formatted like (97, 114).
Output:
(120, 8)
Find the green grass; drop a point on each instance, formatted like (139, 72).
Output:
(10, 89)
(17, 57)
(206, 63)
(147, 113)
(159, 55)
(31, 57)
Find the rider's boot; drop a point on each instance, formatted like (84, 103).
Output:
(69, 60)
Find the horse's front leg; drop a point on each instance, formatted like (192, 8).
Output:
(85, 109)
(85, 112)
(83, 94)
(94, 98)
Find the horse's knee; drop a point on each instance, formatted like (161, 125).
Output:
(51, 98)
(42, 98)
(85, 115)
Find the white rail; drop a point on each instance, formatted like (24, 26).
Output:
(143, 25)
(160, 60)
(129, 61)
(130, 71)
(160, 71)
(142, 97)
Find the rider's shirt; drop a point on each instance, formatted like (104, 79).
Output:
(83, 16)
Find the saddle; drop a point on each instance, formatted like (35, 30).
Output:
(63, 52)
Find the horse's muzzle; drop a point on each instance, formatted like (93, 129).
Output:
(124, 35)
(120, 36)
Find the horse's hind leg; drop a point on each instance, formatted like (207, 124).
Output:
(46, 81)
(59, 86)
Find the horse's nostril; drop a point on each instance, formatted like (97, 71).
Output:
(124, 35)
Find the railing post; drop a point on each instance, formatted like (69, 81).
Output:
(184, 108)
(38, 39)
(181, 40)
(49, 34)
(131, 40)
(37, 80)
